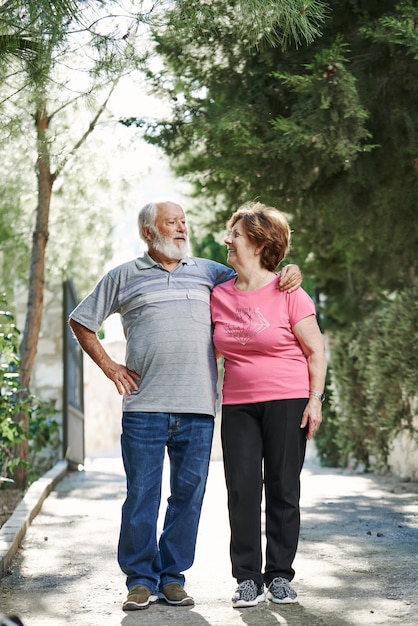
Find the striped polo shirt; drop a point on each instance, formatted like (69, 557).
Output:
(167, 324)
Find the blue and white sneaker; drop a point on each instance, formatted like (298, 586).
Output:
(280, 591)
(248, 593)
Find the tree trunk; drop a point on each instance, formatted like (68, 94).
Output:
(39, 241)
(46, 179)
(29, 344)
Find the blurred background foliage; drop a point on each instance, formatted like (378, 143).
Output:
(308, 106)
(328, 133)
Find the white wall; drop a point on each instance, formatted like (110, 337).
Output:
(102, 404)
(403, 456)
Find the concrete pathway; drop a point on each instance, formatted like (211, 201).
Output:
(357, 562)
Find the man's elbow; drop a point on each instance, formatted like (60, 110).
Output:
(79, 330)
(75, 326)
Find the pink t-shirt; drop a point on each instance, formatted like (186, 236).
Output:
(263, 360)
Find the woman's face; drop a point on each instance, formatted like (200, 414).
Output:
(240, 248)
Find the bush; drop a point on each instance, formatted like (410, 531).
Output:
(326, 437)
(374, 382)
(14, 399)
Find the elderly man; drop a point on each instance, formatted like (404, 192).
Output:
(169, 395)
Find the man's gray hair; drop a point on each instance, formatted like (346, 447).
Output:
(146, 217)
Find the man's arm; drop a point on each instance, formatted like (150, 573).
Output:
(124, 379)
(290, 278)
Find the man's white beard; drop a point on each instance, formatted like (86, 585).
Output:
(167, 247)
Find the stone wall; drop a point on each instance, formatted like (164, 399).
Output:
(403, 456)
(102, 404)
(48, 370)
(47, 376)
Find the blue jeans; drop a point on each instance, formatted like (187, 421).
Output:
(145, 436)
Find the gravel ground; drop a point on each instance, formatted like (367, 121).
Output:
(356, 564)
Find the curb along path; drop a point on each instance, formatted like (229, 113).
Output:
(14, 530)
(356, 565)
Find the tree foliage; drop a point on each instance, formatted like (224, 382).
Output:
(12, 402)
(53, 94)
(374, 383)
(275, 22)
(326, 132)
(60, 62)
(44, 46)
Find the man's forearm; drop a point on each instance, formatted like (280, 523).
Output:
(91, 345)
(125, 380)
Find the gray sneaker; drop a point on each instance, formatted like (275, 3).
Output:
(248, 593)
(280, 591)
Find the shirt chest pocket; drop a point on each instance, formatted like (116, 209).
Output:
(199, 306)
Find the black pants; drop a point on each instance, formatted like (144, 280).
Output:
(251, 434)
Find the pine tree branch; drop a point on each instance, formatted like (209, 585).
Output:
(88, 131)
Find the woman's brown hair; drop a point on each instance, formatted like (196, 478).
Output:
(267, 228)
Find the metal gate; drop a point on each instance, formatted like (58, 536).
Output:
(73, 400)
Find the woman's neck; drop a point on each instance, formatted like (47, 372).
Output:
(255, 279)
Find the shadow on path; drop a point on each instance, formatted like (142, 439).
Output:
(356, 564)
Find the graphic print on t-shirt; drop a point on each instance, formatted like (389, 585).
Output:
(248, 323)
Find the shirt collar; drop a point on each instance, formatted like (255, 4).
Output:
(146, 262)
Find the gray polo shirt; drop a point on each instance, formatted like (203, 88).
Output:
(167, 325)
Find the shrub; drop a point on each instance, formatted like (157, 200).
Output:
(13, 399)
(374, 382)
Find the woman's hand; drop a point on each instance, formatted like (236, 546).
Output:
(312, 416)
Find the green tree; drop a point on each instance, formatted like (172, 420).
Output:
(374, 382)
(12, 402)
(15, 38)
(326, 132)
(44, 46)
(276, 22)
(72, 68)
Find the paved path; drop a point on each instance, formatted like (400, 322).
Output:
(357, 562)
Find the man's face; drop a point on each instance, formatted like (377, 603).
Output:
(169, 237)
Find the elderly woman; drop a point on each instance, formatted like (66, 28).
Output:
(275, 366)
